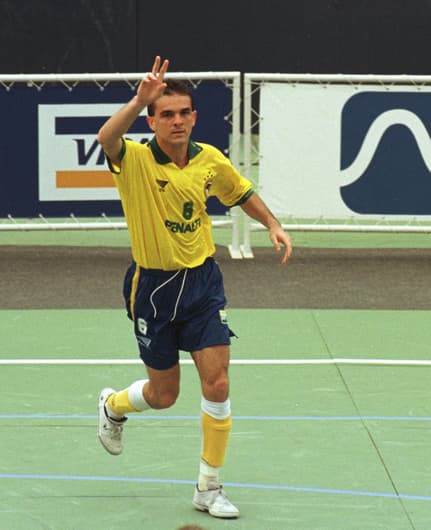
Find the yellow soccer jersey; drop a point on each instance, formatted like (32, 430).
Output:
(165, 206)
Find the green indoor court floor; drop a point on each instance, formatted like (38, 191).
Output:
(331, 416)
(331, 429)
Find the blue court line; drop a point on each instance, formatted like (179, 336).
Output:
(41, 416)
(276, 487)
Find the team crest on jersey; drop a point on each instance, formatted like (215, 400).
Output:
(208, 180)
(162, 184)
(207, 188)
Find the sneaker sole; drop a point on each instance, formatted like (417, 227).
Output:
(107, 449)
(203, 508)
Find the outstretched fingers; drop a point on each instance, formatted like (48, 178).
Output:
(159, 69)
(152, 86)
(156, 65)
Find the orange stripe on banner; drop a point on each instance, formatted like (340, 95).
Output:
(84, 179)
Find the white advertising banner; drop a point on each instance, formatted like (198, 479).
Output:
(343, 151)
(72, 166)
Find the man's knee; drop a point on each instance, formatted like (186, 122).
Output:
(163, 387)
(217, 388)
(166, 400)
(161, 398)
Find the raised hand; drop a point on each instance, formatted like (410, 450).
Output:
(152, 86)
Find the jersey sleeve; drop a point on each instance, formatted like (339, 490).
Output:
(130, 154)
(112, 167)
(228, 185)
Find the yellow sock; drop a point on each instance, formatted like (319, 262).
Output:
(130, 399)
(119, 403)
(215, 434)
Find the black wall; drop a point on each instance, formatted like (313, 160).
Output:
(318, 36)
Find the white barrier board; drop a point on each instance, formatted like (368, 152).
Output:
(343, 151)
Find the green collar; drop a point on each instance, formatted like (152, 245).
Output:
(162, 158)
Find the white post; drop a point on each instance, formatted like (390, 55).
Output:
(246, 246)
(234, 247)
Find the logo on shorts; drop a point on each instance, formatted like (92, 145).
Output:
(144, 341)
(223, 316)
(142, 326)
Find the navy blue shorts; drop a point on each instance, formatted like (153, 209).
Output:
(176, 310)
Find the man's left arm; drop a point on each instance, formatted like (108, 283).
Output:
(258, 210)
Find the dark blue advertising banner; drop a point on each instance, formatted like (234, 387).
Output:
(52, 163)
(396, 178)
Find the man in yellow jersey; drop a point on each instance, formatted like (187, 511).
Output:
(174, 289)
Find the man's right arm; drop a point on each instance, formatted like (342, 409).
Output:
(111, 133)
(149, 89)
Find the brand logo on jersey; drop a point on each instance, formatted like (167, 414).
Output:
(183, 228)
(71, 162)
(385, 153)
(162, 184)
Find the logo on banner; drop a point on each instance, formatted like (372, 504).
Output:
(71, 162)
(386, 153)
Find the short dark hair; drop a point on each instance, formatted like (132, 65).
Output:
(174, 86)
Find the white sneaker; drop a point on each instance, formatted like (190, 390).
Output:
(110, 431)
(215, 502)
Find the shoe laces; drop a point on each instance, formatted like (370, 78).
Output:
(113, 429)
(221, 493)
(215, 492)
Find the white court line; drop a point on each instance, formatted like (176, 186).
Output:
(383, 362)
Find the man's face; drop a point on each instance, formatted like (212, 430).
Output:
(173, 120)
